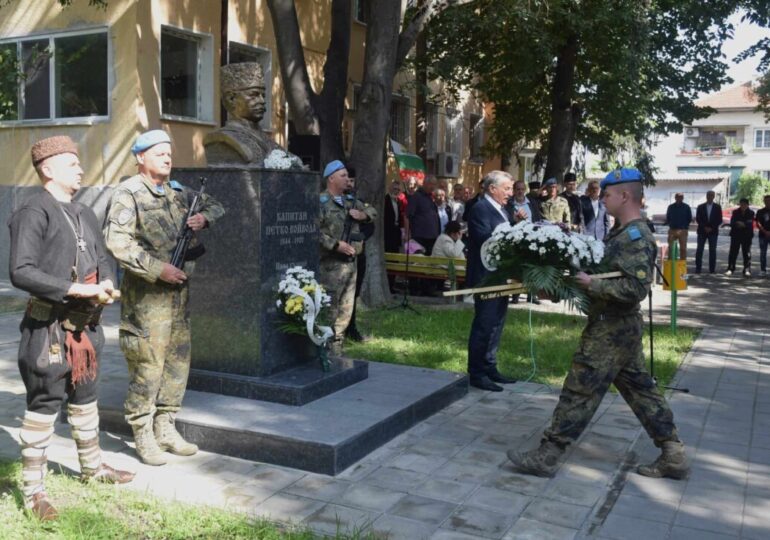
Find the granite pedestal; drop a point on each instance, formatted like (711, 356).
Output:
(270, 225)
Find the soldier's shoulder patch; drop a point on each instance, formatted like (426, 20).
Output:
(125, 215)
(324, 198)
(132, 185)
(641, 274)
(634, 234)
(176, 186)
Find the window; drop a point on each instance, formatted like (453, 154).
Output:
(476, 139)
(239, 53)
(431, 130)
(399, 120)
(186, 74)
(453, 131)
(764, 174)
(61, 76)
(360, 11)
(762, 138)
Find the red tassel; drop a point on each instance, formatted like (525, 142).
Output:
(81, 355)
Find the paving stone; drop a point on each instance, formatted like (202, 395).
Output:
(755, 527)
(444, 489)
(288, 508)
(574, 493)
(480, 522)
(415, 462)
(431, 511)
(519, 483)
(316, 486)
(398, 528)
(507, 502)
(463, 471)
(443, 534)
(333, 519)
(725, 521)
(684, 533)
(530, 529)
(396, 479)
(275, 478)
(557, 513)
(455, 434)
(643, 508)
(370, 497)
(623, 527)
(654, 488)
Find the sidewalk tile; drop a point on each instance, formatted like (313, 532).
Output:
(288, 508)
(396, 479)
(706, 519)
(398, 528)
(557, 513)
(332, 519)
(430, 511)
(316, 486)
(507, 502)
(507, 480)
(755, 527)
(444, 489)
(683, 533)
(654, 488)
(574, 493)
(644, 508)
(623, 527)
(480, 522)
(370, 497)
(443, 534)
(530, 529)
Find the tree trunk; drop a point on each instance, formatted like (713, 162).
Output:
(421, 76)
(372, 123)
(563, 113)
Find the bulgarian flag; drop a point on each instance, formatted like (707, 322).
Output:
(408, 164)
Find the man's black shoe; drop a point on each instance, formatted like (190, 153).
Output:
(484, 383)
(498, 377)
(533, 300)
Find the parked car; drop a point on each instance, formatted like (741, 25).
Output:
(727, 214)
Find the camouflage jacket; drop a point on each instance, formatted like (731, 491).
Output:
(629, 249)
(143, 223)
(556, 210)
(332, 223)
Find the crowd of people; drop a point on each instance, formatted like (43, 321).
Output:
(709, 218)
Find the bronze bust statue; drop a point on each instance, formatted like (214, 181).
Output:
(241, 141)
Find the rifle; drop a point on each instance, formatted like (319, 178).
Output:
(182, 251)
(347, 235)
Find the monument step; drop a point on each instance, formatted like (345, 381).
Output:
(324, 436)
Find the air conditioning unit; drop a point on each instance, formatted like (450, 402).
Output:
(447, 164)
(691, 132)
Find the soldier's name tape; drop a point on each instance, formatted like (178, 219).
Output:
(514, 287)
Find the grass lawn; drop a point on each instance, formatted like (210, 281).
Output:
(97, 512)
(438, 338)
(9, 304)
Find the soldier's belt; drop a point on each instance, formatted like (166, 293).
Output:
(72, 319)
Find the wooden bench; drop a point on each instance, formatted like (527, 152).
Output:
(421, 266)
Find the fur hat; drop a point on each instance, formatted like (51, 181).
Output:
(52, 146)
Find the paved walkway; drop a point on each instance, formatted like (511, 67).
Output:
(448, 478)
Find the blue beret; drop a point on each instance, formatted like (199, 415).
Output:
(149, 139)
(549, 182)
(621, 176)
(332, 167)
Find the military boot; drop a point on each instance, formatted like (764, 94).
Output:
(169, 438)
(147, 447)
(542, 461)
(672, 463)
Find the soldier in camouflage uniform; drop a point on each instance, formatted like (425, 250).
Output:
(338, 255)
(611, 345)
(555, 208)
(144, 219)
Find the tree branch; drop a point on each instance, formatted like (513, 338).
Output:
(408, 36)
(299, 93)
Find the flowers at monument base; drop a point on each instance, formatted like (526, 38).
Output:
(280, 159)
(542, 256)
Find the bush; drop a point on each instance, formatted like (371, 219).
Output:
(753, 187)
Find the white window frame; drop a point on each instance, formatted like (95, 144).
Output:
(476, 135)
(205, 82)
(52, 120)
(765, 139)
(407, 118)
(265, 59)
(455, 146)
(432, 141)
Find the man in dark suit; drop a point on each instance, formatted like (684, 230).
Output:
(708, 216)
(596, 221)
(393, 217)
(489, 315)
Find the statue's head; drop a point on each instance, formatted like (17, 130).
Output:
(243, 90)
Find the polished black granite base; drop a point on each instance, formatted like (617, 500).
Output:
(297, 386)
(325, 436)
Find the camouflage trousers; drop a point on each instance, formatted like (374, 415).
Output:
(339, 280)
(610, 352)
(155, 340)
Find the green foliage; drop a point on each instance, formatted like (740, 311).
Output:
(438, 339)
(639, 68)
(752, 187)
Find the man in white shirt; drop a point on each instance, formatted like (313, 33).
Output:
(520, 206)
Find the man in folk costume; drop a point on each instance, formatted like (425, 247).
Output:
(58, 256)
